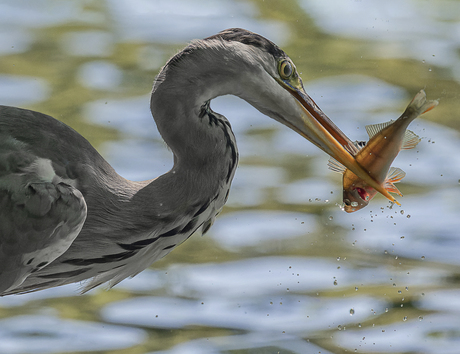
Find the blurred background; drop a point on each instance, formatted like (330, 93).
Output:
(283, 269)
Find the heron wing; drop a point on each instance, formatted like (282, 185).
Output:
(40, 215)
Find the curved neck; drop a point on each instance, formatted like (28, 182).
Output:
(180, 106)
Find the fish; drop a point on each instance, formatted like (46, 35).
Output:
(386, 140)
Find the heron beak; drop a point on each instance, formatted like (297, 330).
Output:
(316, 127)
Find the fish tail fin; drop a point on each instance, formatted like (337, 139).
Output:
(419, 105)
(394, 175)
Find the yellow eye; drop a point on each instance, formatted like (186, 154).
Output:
(286, 69)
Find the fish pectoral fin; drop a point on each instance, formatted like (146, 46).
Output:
(336, 166)
(390, 187)
(353, 149)
(410, 140)
(394, 175)
(373, 129)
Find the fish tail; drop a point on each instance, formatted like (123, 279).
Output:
(418, 106)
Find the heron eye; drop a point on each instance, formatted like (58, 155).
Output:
(285, 69)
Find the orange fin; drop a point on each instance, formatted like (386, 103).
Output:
(390, 187)
(394, 175)
(410, 140)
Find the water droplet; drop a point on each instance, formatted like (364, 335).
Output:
(429, 69)
(356, 288)
(339, 327)
(420, 318)
(402, 212)
(423, 257)
(335, 282)
(408, 216)
(399, 291)
(405, 318)
(352, 312)
(359, 325)
(383, 330)
(386, 309)
(407, 288)
(401, 237)
(331, 217)
(338, 258)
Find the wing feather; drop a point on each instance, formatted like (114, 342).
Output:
(40, 216)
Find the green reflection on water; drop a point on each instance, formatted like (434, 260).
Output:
(316, 55)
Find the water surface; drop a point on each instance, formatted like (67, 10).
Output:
(283, 269)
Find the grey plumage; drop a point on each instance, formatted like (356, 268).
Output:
(128, 224)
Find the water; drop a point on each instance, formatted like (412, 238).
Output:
(283, 269)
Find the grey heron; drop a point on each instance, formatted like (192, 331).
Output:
(66, 216)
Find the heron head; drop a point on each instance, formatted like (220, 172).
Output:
(267, 78)
(245, 64)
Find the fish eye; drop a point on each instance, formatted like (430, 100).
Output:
(285, 69)
(347, 202)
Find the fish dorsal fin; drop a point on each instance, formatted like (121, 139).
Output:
(353, 149)
(373, 129)
(410, 140)
(394, 175)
